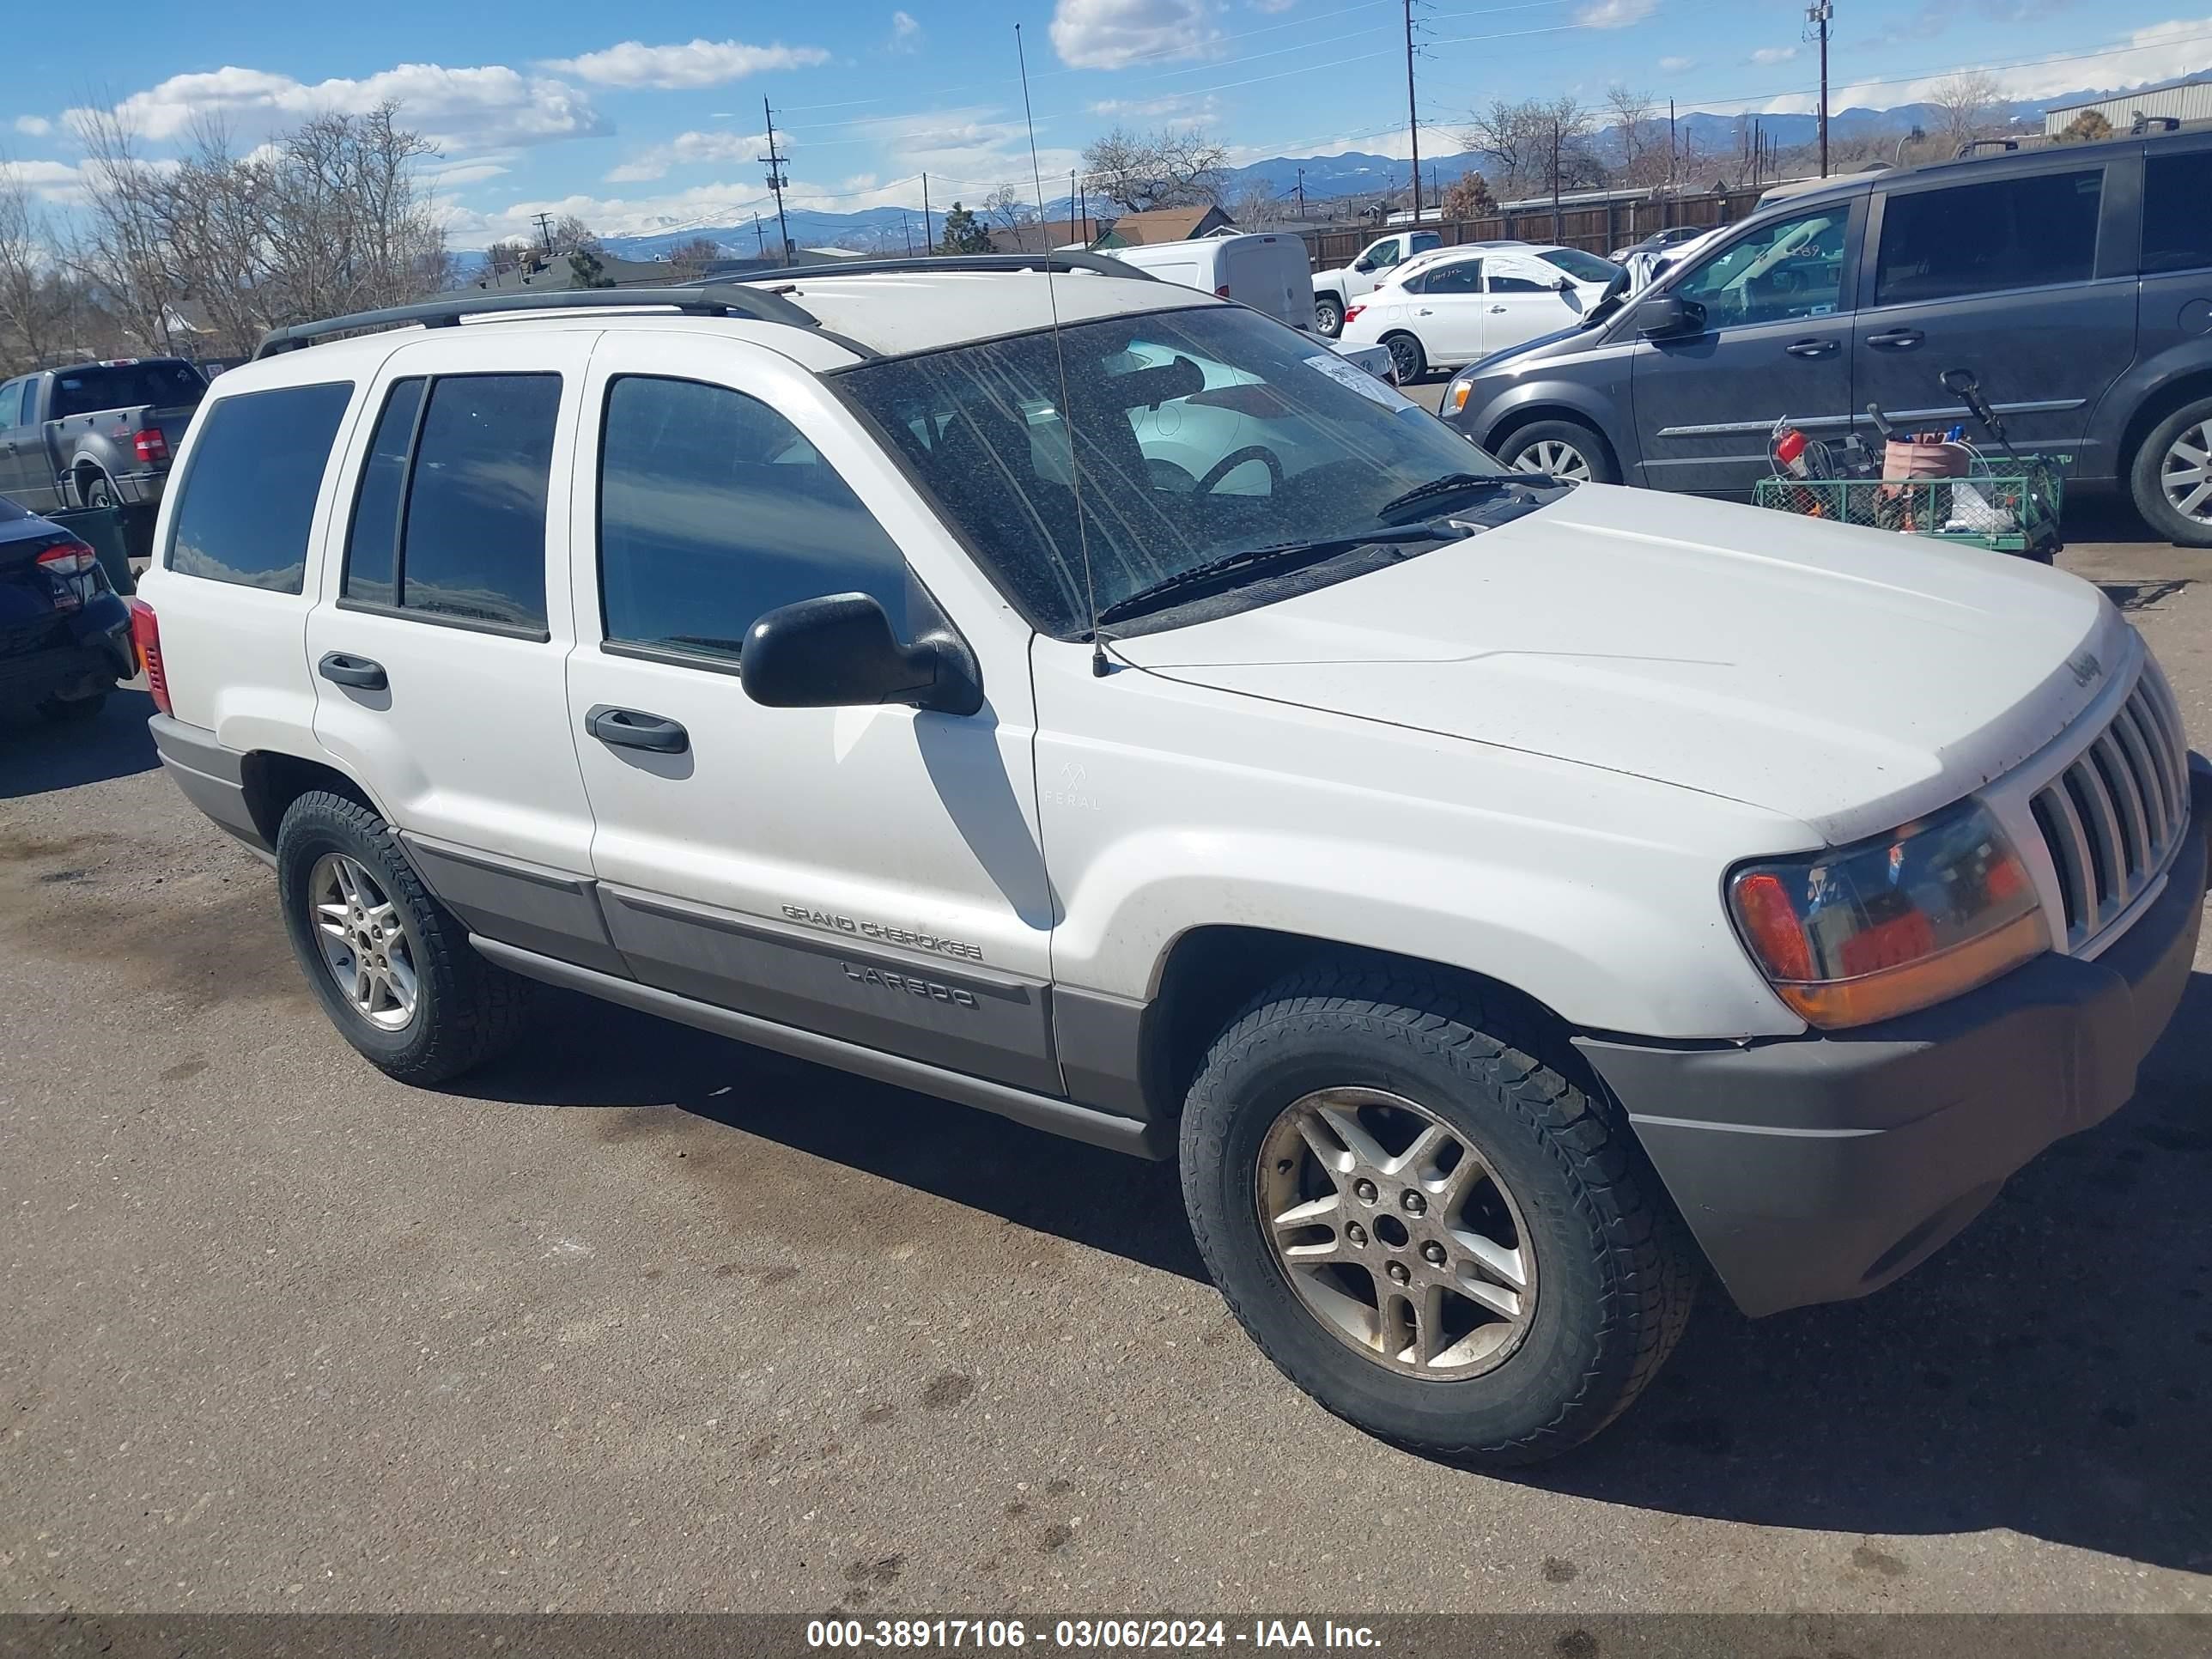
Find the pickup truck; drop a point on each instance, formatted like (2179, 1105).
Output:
(1335, 290)
(95, 435)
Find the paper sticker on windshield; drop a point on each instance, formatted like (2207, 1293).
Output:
(1345, 373)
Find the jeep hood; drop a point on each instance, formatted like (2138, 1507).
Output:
(1850, 678)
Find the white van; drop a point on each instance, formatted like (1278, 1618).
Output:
(1268, 272)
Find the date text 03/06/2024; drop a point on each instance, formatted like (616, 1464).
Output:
(1087, 1634)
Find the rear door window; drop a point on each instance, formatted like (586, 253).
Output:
(247, 503)
(2177, 230)
(2025, 232)
(1464, 277)
(449, 519)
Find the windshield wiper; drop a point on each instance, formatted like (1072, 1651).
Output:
(1153, 595)
(1453, 483)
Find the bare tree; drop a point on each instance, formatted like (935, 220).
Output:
(1167, 168)
(34, 304)
(1006, 208)
(1964, 104)
(1642, 160)
(1257, 205)
(1541, 146)
(121, 247)
(572, 235)
(509, 253)
(692, 258)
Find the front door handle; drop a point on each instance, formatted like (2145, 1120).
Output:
(1498, 311)
(1811, 348)
(1897, 339)
(628, 728)
(357, 671)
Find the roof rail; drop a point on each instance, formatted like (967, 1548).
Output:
(1098, 264)
(699, 299)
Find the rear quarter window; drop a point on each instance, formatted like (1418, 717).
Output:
(245, 504)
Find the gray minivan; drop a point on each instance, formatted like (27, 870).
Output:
(2075, 280)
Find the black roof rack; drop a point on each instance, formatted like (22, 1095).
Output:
(699, 299)
(1098, 264)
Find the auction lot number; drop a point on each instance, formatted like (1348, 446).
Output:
(1112, 1634)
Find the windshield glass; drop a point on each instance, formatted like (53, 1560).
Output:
(127, 386)
(1582, 267)
(1198, 434)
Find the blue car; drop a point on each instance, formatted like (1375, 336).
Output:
(65, 633)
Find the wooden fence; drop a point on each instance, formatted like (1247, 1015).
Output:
(1597, 229)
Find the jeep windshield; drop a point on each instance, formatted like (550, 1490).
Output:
(1199, 435)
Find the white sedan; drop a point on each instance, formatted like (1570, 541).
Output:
(1456, 305)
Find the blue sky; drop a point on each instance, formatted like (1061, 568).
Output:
(648, 115)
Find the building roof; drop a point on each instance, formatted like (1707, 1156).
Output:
(1043, 237)
(1167, 225)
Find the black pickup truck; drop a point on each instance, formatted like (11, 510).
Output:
(95, 434)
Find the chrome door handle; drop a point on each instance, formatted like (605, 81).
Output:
(1811, 348)
(1897, 339)
(1496, 310)
(1425, 312)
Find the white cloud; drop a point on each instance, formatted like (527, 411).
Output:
(456, 109)
(906, 33)
(700, 64)
(1107, 34)
(1774, 54)
(1676, 65)
(1271, 6)
(51, 181)
(1615, 13)
(2140, 56)
(1175, 108)
(691, 149)
(35, 126)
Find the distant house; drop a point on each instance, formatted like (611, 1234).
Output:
(1043, 237)
(1165, 225)
(553, 275)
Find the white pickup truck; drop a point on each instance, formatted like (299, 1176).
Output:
(1334, 291)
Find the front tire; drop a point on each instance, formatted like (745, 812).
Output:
(1568, 450)
(1426, 1227)
(2172, 477)
(391, 966)
(1328, 315)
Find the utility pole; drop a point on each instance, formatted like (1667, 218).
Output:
(1074, 234)
(760, 236)
(777, 181)
(1413, 114)
(545, 232)
(1555, 177)
(928, 236)
(1673, 189)
(1818, 15)
(1302, 194)
(906, 226)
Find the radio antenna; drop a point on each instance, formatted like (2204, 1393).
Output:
(1099, 666)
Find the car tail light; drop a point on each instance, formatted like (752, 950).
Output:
(68, 559)
(1350, 312)
(152, 445)
(146, 639)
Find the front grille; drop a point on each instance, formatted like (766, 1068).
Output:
(2112, 818)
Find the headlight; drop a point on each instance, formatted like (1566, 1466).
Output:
(1455, 398)
(1893, 924)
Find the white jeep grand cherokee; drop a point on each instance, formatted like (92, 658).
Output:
(1089, 701)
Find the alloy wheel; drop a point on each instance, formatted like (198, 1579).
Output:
(2185, 473)
(1406, 358)
(1561, 460)
(1396, 1234)
(366, 944)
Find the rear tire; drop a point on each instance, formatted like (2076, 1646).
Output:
(1328, 315)
(73, 711)
(2171, 479)
(99, 492)
(1407, 357)
(1583, 1274)
(451, 1009)
(1566, 449)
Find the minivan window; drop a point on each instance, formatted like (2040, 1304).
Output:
(2177, 228)
(2021, 232)
(712, 510)
(1197, 435)
(246, 502)
(470, 518)
(1792, 267)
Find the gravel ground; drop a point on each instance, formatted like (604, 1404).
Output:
(645, 1320)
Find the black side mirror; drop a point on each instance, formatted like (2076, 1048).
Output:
(1666, 314)
(1363, 263)
(840, 651)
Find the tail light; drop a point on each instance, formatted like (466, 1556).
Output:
(68, 559)
(146, 640)
(152, 445)
(1350, 312)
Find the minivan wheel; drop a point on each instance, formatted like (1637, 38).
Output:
(392, 967)
(1425, 1226)
(2172, 477)
(1565, 449)
(1328, 315)
(1406, 357)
